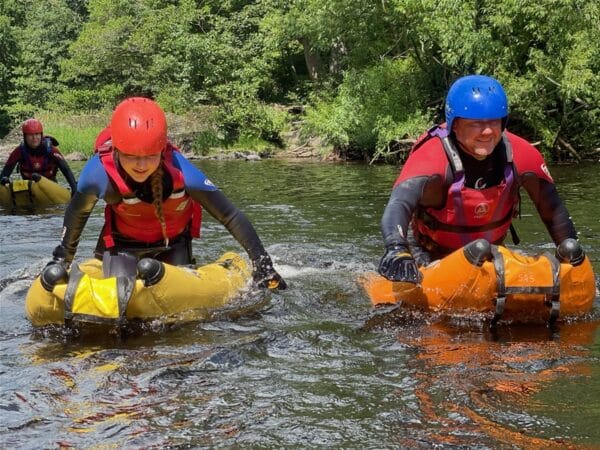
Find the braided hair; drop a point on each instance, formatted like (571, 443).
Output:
(156, 181)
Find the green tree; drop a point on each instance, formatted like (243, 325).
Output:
(43, 34)
(545, 54)
(8, 51)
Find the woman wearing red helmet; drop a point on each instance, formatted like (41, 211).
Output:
(154, 197)
(37, 155)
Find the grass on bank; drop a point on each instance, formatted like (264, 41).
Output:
(191, 132)
(74, 133)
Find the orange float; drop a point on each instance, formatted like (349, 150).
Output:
(485, 278)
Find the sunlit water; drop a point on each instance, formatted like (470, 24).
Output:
(316, 367)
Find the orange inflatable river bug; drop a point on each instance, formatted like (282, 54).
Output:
(485, 278)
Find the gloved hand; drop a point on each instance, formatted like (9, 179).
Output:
(4, 181)
(265, 276)
(55, 272)
(397, 264)
(60, 255)
(36, 177)
(54, 261)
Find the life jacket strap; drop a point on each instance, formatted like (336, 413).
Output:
(107, 233)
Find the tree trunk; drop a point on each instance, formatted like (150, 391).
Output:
(338, 50)
(312, 59)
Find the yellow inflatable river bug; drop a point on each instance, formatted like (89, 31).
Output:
(29, 193)
(171, 293)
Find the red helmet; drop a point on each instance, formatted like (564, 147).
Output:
(139, 127)
(32, 126)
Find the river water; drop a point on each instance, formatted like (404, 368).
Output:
(316, 366)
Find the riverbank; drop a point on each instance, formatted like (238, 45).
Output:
(183, 132)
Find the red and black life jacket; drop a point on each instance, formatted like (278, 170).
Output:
(136, 219)
(469, 213)
(42, 163)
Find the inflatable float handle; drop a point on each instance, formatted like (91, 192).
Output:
(151, 271)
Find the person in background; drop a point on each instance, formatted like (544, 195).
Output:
(462, 182)
(154, 197)
(36, 156)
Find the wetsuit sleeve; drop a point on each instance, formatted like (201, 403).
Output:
(195, 179)
(221, 208)
(12, 161)
(550, 207)
(76, 216)
(201, 189)
(430, 159)
(93, 178)
(421, 183)
(537, 181)
(399, 210)
(93, 184)
(67, 173)
(528, 159)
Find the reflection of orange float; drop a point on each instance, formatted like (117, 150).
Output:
(497, 371)
(485, 278)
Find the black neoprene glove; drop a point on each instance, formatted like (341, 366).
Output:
(397, 264)
(60, 256)
(265, 276)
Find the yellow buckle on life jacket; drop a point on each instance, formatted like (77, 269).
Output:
(20, 185)
(97, 297)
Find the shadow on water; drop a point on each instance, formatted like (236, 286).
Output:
(313, 367)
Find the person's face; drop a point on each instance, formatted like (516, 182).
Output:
(478, 137)
(139, 167)
(33, 140)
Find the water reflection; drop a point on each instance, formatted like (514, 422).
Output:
(314, 366)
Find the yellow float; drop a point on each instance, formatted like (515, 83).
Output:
(485, 278)
(159, 291)
(30, 193)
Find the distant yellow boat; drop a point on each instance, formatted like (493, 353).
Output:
(29, 193)
(161, 291)
(484, 278)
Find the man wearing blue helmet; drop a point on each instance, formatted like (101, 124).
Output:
(462, 182)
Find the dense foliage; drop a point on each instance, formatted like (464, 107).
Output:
(368, 74)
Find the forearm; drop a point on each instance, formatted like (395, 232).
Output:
(76, 217)
(68, 174)
(552, 210)
(221, 208)
(7, 170)
(399, 210)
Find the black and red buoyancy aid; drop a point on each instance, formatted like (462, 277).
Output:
(41, 162)
(469, 213)
(136, 219)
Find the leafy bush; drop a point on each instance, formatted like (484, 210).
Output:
(374, 107)
(242, 119)
(86, 100)
(205, 141)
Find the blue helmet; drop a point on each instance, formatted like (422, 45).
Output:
(476, 97)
